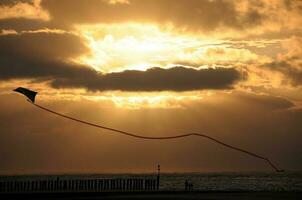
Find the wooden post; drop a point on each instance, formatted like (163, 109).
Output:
(102, 184)
(119, 184)
(8, 186)
(141, 184)
(158, 177)
(70, 185)
(20, 186)
(52, 185)
(132, 184)
(4, 186)
(76, 185)
(25, 186)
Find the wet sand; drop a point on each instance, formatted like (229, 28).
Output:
(157, 195)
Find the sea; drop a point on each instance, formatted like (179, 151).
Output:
(219, 181)
(235, 181)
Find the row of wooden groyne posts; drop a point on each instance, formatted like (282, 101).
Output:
(80, 185)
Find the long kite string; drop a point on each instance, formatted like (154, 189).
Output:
(163, 137)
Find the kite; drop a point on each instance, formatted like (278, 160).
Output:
(31, 96)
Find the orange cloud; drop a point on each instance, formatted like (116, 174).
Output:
(23, 10)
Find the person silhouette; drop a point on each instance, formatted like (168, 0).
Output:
(186, 185)
(191, 186)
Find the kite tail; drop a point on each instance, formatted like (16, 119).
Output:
(161, 138)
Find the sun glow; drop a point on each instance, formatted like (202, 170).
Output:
(139, 100)
(131, 46)
(135, 46)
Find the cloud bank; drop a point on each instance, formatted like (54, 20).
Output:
(47, 56)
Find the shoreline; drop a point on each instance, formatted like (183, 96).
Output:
(157, 195)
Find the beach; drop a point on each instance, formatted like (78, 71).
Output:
(227, 185)
(211, 195)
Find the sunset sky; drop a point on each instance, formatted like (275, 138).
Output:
(230, 69)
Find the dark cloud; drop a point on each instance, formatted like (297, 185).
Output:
(43, 56)
(23, 24)
(157, 79)
(292, 72)
(41, 46)
(14, 2)
(191, 14)
(201, 15)
(23, 15)
(253, 17)
(40, 55)
(265, 102)
(290, 63)
(293, 5)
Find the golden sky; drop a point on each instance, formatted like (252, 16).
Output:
(231, 69)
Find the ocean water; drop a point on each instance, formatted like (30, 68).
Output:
(247, 181)
(265, 181)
